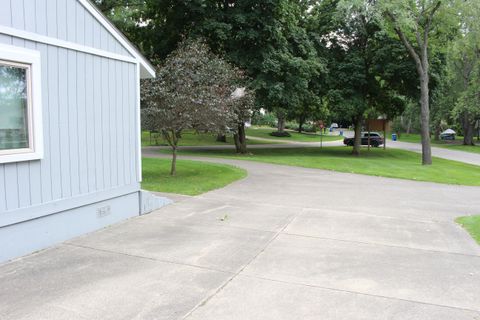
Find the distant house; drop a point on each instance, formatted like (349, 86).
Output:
(69, 123)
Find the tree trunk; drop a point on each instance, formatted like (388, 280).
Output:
(368, 130)
(437, 132)
(421, 62)
(301, 121)
(240, 139)
(221, 137)
(468, 130)
(425, 119)
(236, 139)
(409, 126)
(358, 137)
(173, 170)
(478, 130)
(384, 134)
(281, 123)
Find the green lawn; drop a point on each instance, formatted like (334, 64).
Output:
(391, 163)
(472, 225)
(455, 145)
(415, 138)
(193, 177)
(190, 138)
(409, 137)
(262, 132)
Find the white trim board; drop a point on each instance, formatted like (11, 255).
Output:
(139, 125)
(147, 70)
(63, 44)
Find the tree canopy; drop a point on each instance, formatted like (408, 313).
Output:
(346, 60)
(192, 90)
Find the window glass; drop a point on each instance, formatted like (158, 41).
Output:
(13, 106)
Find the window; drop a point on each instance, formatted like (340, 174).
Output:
(14, 106)
(20, 105)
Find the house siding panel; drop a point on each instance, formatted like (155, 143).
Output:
(5, 13)
(89, 122)
(62, 17)
(133, 114)
(90, 160)
(73, 121)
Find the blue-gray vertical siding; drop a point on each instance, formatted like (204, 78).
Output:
(62, 19)
(89, 109)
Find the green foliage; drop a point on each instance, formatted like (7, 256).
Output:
(293, 125)
(458, 96)
(125, 14)
(267, 119)
(321, 60)
(267, 39)
(368, 70)
(269, 42)
(280, 134)
(306, 127)
(408, 121)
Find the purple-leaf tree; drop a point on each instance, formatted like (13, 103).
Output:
(192, 90)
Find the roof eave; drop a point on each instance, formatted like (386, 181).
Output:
(147, 71)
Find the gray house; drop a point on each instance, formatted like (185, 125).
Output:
(69, 124)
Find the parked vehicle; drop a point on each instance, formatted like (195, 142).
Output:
(375, 139)
(448, 134)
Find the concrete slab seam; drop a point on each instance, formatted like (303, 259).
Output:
(146, 258)
(275, 236)
(380, 244)
(358, 293)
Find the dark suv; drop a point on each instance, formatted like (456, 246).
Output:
(375, 139)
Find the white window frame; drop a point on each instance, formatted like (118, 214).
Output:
(21, 57)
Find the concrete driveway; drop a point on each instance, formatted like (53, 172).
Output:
(284, 243)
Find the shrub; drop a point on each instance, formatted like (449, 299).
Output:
(292, 125)
(310, 127)
(280, 134)
(267, 119)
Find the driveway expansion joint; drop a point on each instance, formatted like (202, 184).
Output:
(381, 245)
(145, 258)
(358, 293)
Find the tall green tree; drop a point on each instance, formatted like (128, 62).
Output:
(464, 67)
(413, 22)
(267, 39)
(360, 70)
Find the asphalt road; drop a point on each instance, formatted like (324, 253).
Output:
(462, 156)
(284, 243)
